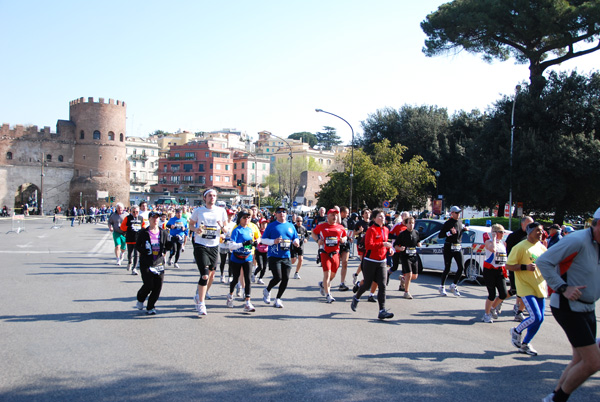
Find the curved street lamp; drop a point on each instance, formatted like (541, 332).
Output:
(291, 157)
(512, 134)
(352, 151)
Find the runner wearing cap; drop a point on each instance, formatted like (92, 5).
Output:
(207, 222)
(329, 235)
(279, 236)
(452, 231)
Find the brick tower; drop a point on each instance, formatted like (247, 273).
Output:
(99, 155)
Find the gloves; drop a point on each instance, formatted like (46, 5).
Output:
(247, 243)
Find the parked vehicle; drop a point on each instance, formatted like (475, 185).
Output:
(426, 227)
(473, 250)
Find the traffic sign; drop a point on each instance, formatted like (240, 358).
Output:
(295, 203)
(386, 204)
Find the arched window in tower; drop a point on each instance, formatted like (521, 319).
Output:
(61, 158)
(111, 136)
(48, 158)
(81, 135)
(96, 135)
(121, 137)
(9, 156)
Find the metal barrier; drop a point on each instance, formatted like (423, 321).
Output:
(17, 224)
(58, 221)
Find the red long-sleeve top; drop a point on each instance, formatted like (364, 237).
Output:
(374, 239)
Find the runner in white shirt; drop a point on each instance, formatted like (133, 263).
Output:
(207, 222)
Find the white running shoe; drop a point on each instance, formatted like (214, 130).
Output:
(139, 305)
(407, 295)
(176, 265)
(238, 290)
(260, 281)
(229, 300)
(528, 349)
(134, 271)
(266, 296)
(322, 289)
(330, 298)
(278, 303)
(296, 275)
(516, 338)
(248, 307)
(222, 279)
(454, 289)
(494, 313)
(487, 318)
(252, 278)
(443, 291)
(202, 309)
(196, 299)
(118, 261)
(499, 308)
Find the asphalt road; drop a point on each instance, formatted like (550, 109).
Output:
(70, 332)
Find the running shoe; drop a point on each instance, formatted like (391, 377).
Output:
(139, 305)
(549, 398)
(487, 318)
(169, 262)
(356, 287)
(266, 296)
(208, 296)
(372, 299)
(322, 289)
(248, 307)
(176, 265)
(222, 279)
(238, 290)
(519, 316)
(528, 349)
(354, 279)
(499, 308)
(516, 308)
(454, 289)
(118, 261)
(202, 309)
(343, 287)
(278, 303)
(443, 291)
(407, 295)
(516, 338)
(151, 312)
(128, 267)
(330, 298)
(354, 303)
(384, 314)
(252, 277)
(296, 275)
(260, 281)
(494, 313)
(196, 298)
(402, 287)
(229, 300)
(134, 272)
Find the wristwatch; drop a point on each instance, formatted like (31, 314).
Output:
(561, 289)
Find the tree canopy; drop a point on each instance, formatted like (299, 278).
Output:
(306, 137)
(542, 33)
(328, 138)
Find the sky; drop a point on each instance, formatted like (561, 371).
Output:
(239, 64)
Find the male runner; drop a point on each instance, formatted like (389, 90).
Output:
(330, 235)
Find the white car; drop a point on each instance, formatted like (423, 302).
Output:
(472, 248)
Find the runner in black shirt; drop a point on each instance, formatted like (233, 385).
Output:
(452, 231)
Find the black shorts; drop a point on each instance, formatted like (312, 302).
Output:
(206, 257)
(410, 264)
(296, 251)
(580, 328)
(345, 247)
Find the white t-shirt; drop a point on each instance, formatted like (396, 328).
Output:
(212, 219)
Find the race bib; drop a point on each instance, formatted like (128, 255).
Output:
(285, 244)
(331, 241)
(136, 227)
(210, 232)
(455, 247)
(500, 259)
(411, 251)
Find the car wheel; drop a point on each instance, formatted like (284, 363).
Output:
(472, 271)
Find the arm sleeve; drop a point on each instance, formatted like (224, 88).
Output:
(268, 242)
(549, 262)
(124, 224)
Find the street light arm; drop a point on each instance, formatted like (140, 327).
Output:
(341, 118)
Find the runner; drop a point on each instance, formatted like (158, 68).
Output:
(572, 268)
(207, 222)
(261, 254)
(344, 250)
(131, 225)
(377, 247)
(493, 273)
(452, 231)
(151, 245)
(178, 227)
(531, 286)
(398, 228)
(240, 244)
(114, 225)
(279, 236)
(512, 240)
(224, 246)
(329, 236)
(297, 253)
(406, 245)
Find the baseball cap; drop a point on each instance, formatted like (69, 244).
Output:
(455, 209)
(281, 208)
(153, 214)
(263, 220)
(230, 212)
(569, 229)
(333, 211)
(554, 226)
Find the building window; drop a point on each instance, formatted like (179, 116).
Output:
(210, 178)
(135, 151)
(152, 152)
(235, 165)
(242, 177)
(175, 168)
(235, 177)
(188, 178)
(176, 155)
(96, 135)
(217, 178)
(190, 155)
(188, 167)
(264, 166)
(84, 157)
(226, 167)
(201, 180)
(207, 154)
(218, 166)
(242, 165)
(100, 157)
(211, 166)
(143, 163)
(9, 156)
(227, 179)
(60, 158)
(121, 137)
(267, 150)
(201, 167)
(134, 163)
(111, 136)
(81, 135)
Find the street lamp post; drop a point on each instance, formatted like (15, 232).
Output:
(291, 157)
(352, 151)
(512, 135)
(41, 203)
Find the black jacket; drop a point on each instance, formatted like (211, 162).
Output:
(145, 249)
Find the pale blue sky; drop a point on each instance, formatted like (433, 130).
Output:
(250, 65)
